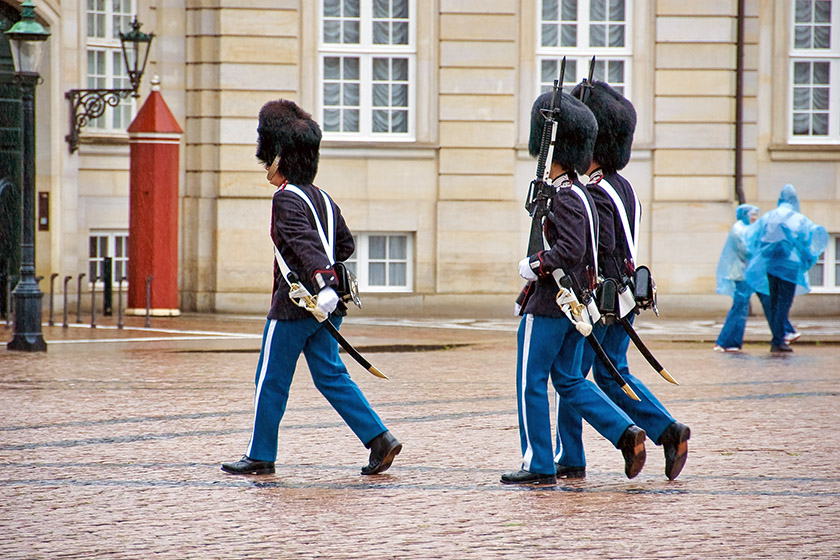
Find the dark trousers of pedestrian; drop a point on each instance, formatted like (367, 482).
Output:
(781, 300)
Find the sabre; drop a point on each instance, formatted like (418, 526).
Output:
(651, 359)
(298, 290)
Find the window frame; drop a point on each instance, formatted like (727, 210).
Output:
(814, 55)
(361, 261)
(830, 261)
(115, 75)
(366, 51)
(98, 260)
(583, 54)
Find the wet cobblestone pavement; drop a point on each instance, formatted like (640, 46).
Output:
(111, 442)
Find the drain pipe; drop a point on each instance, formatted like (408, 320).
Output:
(739, 107)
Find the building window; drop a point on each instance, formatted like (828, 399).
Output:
(825, 275)
(113, 245)
(383, 262)
(579, 30)
(105, 65)
(815, 71)
(367, 63)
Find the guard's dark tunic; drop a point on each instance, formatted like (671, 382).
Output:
(294, 233)
(615, 262)
(570, 248)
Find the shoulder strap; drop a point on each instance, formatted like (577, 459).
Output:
(593, 231)
(328, 241)
(632, 244)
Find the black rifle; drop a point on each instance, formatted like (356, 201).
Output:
(540, 191)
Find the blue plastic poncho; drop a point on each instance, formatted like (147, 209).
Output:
(734, 257)
(784, 243)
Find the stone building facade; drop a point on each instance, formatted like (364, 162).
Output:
(425, 109)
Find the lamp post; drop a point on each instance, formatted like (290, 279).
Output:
(88, 104)
(27, 38)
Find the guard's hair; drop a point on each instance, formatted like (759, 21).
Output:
(616, 124)
(288, 131)
(576, 132)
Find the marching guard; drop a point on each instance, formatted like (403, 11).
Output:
(311, 240)
(550, 336)
(620, 212)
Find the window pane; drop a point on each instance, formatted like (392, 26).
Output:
(597, 35)
(822, 11)
(351, 68)
(801, 123)
(397, 247)
(820, 99)
(822, 37)
(396, 274)
(803, 11)
(815, 275)
(332, 120)
(399, 95)
(548, 71)
(381, 33)
(351, 32)
(821, 72)
(549, 35)
(331, 68)
(380, 9)
(351, 95)
(399, 121)
(597, 10)
(616, 35)
(380, 95)
(332, 8)
(332, 91)
(376, 246)
(802, 37)
(569, 10)
(400, 9)
(380, 121)
(376, 274)
(549, 10)
(568, 37)
(616, 68)
(801, 72)
(351, 121)
(332, 31)
(820, 124)
(617, 10)
(399, 69)
(381, 70)
(399, 33)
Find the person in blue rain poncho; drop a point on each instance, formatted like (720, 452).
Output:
(784, 245)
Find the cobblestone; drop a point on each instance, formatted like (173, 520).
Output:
(111, 448)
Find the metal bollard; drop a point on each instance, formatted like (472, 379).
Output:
(119, 303)
(149, 279)
(66, 279)
(107, 285)
(9, 302)
(52, 291)
(93, 302)
(79, 298)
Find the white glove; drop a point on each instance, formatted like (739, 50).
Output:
(525, 270)
(327, 300)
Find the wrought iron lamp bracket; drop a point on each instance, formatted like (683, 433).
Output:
(89, 104)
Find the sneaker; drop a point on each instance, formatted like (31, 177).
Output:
(780, 349)
(791, 336)
(730, 349)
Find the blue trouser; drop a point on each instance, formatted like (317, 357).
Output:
(781, 299)
(648, 413)
(732, 333)
(283, 341)
(551, 347)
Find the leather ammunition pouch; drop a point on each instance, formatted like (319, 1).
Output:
(607, 299)
(348, 286)
(644, 289)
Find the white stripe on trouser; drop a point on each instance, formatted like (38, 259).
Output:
(266, 351)
(526, 343)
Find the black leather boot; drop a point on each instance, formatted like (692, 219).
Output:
(383, 449)
(632, 445)
(674, 441)
(246, 465)
(527, 477)
(564, 471)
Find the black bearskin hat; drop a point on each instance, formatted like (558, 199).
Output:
(616, 124)
(288, 131)
(576, 132)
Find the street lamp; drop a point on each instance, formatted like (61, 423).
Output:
(27, 38)
(88, 104)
